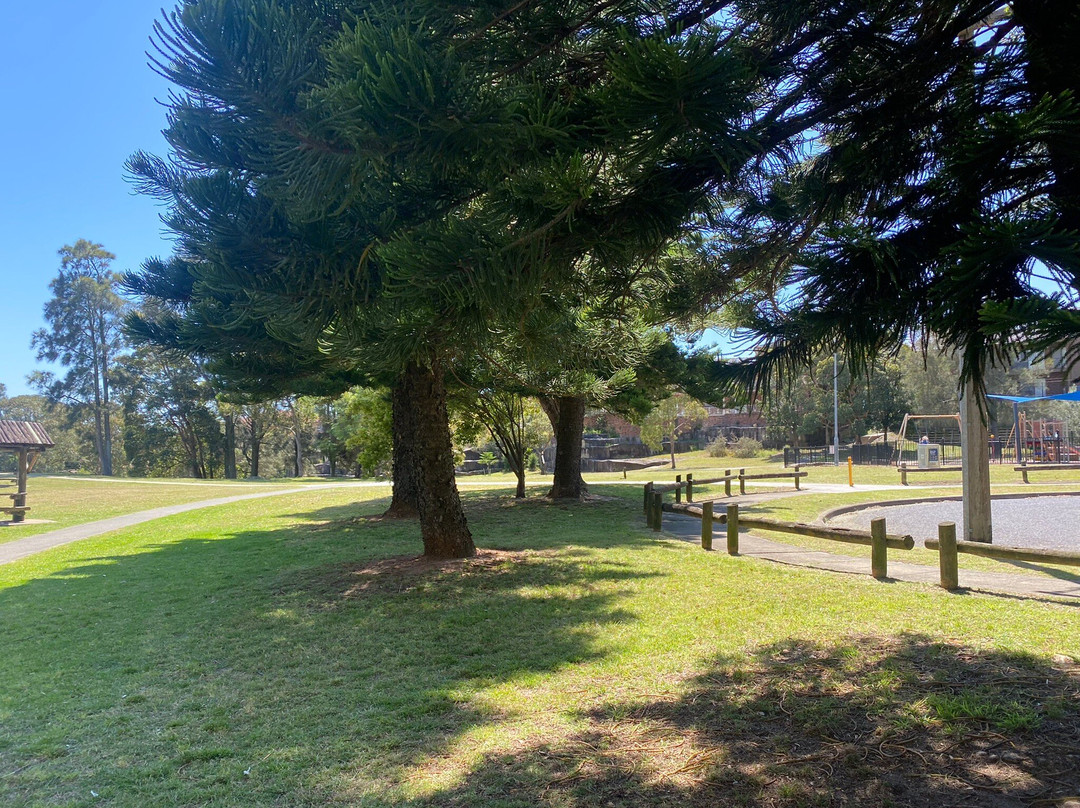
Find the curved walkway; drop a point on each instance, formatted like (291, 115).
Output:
(688, 528)
(20, 548)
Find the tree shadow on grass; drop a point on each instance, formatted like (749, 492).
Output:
(500, 521)
(885, 721)
(1045, 569)
(249, 668)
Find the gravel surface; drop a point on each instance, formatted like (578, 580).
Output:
(1049, 523)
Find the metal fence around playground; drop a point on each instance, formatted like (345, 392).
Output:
(1043, 450)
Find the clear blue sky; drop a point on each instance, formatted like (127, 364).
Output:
(78, 98)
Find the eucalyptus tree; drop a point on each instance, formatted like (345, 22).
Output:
(85, 317)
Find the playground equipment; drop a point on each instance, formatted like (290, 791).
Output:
(1042, 440)
(928, 441)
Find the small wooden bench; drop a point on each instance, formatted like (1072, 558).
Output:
(636, 465)
(1024, 468)
(905, 471)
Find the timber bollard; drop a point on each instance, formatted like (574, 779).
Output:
(648, 499)
(733, 529)
(689, 487)
(796, 478)
(742, 481)
(1023, 470)
(658, 511)
(947, 560)
(706, 526)
(727, 482)
(879, 551)
(678, 488)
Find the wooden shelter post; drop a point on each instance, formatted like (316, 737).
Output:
(22, 457)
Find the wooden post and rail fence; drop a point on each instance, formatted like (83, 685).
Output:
(880, 542)
(654, 505)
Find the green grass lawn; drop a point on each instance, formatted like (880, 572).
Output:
(72, 501)
(291, 651)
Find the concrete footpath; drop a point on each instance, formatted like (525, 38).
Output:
(688, 528)
(20, 548)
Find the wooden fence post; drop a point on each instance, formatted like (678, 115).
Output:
(1023, 470)
(879, 551)
(796, 476)
(727, 482)
(947, 560)
(648, 499)
(19, 498)
(733, 529)
(678, 488)
(706, 526)
(689, 487)
(658, 511)
(742, 481)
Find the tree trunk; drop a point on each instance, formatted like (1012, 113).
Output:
(442, 519)
(256, 446)
(298, 460)
(673, 451)
(405, 503)
(106, 445)
(230, 448)
(567, 416)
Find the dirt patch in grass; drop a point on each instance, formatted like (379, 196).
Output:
(898, 721)
(341, 582)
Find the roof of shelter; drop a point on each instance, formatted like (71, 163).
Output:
(23, 435)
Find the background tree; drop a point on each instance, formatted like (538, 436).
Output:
(515, 422)
(171, 420)
(674, 416)
(256, 423)
(85, 334)
(366, 426)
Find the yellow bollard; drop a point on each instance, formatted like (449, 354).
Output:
(850, 473)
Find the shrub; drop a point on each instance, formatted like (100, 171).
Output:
(746, 447)
(718, 448)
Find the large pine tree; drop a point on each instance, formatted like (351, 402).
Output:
(385, 181)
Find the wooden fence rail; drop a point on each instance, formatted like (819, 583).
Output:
(944, 545)
(877, 538)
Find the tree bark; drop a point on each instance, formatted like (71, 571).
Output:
(298, 456)
(230, 448)
(442, 519)
(567, 416)
(256, 447)
(405, 503)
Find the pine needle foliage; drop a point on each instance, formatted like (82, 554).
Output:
(932, 187)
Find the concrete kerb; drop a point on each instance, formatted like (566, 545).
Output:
(832, 513)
